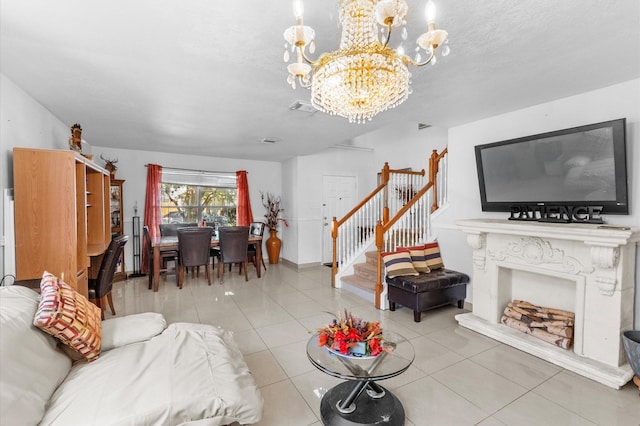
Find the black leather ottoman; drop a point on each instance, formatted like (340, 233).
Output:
(427, 291)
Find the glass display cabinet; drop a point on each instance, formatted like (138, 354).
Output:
(117, 222)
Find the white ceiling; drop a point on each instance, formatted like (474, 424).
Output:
(206, 77)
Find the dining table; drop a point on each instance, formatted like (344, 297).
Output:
(169, 243)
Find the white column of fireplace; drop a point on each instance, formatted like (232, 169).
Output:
(586, 269)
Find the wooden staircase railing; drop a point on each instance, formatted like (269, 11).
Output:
(396, 213)
(438, 166)
(408, 227)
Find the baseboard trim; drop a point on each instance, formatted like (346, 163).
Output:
(299, 266)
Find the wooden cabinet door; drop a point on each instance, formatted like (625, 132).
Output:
(45, 212)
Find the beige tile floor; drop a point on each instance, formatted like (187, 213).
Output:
(458, 377)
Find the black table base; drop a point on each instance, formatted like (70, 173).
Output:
(369, 407)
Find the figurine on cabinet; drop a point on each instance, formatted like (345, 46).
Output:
(75, 141)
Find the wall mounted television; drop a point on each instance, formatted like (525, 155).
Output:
(581, 166)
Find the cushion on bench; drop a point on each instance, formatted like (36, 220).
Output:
(434, 280)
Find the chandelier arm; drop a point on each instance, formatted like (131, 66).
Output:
(303, 84)
(307, 60)
(421, 64)
(389, 26)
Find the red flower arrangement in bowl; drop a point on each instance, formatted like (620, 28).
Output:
(351, 335)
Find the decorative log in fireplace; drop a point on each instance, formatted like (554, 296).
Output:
(551, 325)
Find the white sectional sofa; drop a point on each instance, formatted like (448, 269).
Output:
(146, 374)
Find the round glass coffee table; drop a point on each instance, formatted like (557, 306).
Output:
(360, 400)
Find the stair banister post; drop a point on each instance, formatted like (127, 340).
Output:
(433, 171)
(334, 238)
(379, 244)
(385, 180)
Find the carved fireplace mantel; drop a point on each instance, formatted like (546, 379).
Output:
(586, 269)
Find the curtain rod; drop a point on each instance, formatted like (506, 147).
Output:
(194, 170)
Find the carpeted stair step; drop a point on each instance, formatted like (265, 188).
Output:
(372, 257)
(360, 282)
(366, 271)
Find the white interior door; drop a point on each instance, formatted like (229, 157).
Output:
(338, 197)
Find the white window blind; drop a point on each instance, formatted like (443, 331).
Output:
(199, 178)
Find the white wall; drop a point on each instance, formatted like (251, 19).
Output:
(403, 145)
(23, 123)
(618, 101)
(262, 176)
(303, 185)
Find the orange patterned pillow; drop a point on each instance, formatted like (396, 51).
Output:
(433, 256)
(398, 263)
(69, 316)
(418, 258)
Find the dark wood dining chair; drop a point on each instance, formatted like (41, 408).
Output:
(165, 256)
(256, 229)
(194, 245)
(233, 248)
(101, 286)
(171, 229)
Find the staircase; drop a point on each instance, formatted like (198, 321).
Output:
(363, 280)
(397, 213)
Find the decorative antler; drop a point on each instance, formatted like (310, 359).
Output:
(110, 165)
(106, 160)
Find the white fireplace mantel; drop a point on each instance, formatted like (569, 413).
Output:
(587, 269)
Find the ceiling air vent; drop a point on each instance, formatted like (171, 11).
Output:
(270, 140)
(302, 106)
(422, 126)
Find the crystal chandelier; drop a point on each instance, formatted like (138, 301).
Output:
(364, 76)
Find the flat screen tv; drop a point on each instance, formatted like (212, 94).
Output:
(581, 166)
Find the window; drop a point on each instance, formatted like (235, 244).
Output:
(191, 196)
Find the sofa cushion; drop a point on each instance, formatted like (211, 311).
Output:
(433, 256)
(31, 367)
(69, 316)
(121, 331)
(398, 263)
(188, 372)
(418, 258)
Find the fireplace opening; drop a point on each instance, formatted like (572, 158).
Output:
(539, 287)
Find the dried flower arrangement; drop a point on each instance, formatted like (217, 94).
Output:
(349, 332)
(272, 204)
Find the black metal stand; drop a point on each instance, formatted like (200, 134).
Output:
(346, 405)
(137, 265)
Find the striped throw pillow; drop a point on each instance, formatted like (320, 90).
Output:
(398, 263)
(433, 256)
(418, 258)
(69, 316)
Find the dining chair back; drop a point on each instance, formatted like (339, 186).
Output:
(165, 255)
(193, 249)
(171, 229)
(233, 248)
(100, 287)
(256, 229)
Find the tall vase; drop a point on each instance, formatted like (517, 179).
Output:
(273, 247)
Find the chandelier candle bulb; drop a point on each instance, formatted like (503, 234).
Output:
(430, 13)
(298, 11)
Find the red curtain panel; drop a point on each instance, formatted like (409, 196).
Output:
(152, 211)
(244, 216)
